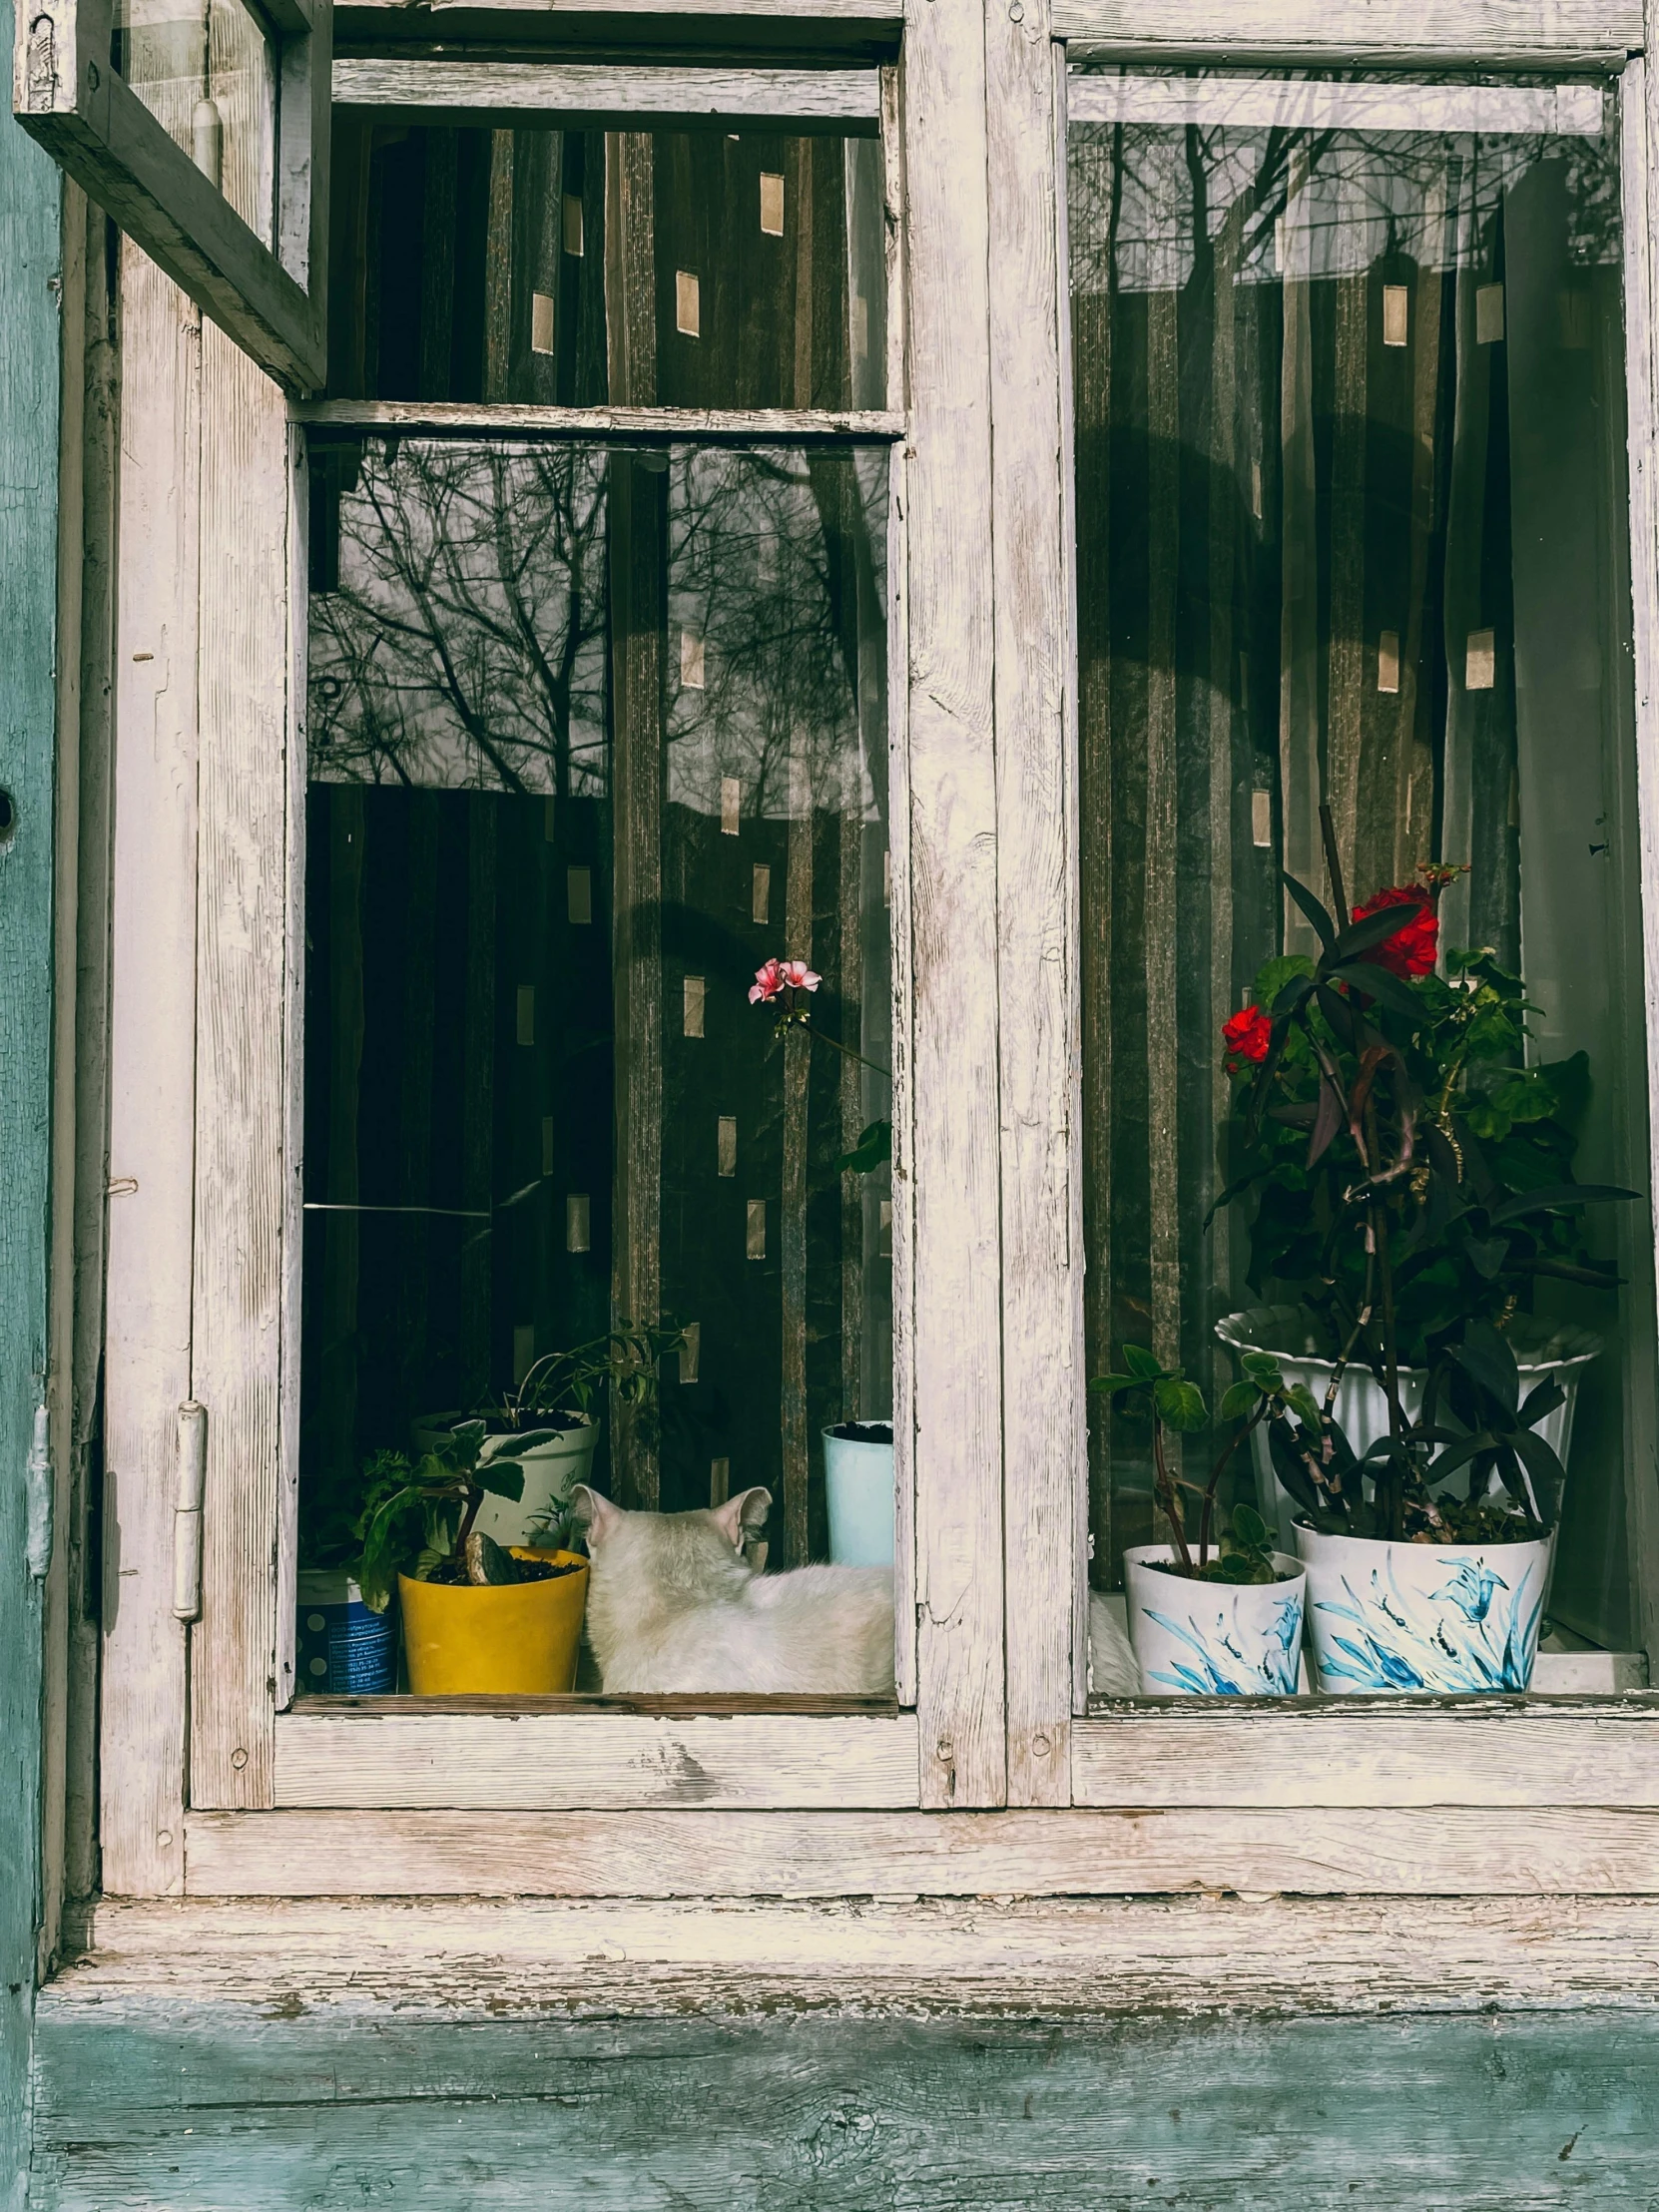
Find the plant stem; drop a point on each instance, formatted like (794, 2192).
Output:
(1216, 1473)
(1168, 1498)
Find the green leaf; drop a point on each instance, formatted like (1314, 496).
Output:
(1323, 924)
(1374, 929)
(1291, 996)
(1382, 984)
(1239, 1401)
(1249, 1526)
(1263, 1367)
(1557, 1198)
(1180, 1404)
(874, 1150)
(1112, 1383)
(501, 1478)
(1302, 1400)
(1141, 1363)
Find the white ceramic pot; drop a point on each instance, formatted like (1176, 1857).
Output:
(1362, 1408)
(858, 1488)
(1424, 1618)
(549, 1472)
(1213, 1639)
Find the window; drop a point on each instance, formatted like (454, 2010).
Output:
(206, 137)
(1355, 609)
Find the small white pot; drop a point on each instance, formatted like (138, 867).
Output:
(549, 1472)
(1362, 1408)
(1424, 1618)
(1213, 1639)
(858, 1490)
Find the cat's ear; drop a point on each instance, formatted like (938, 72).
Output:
(596, 1514)
(741, 1514)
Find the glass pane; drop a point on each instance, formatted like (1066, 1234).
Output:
(592, 738)
(695, 269)
(1352, 534)
(207, 74)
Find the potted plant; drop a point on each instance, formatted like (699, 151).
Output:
(1413, 1181)
(857, 1454)
(1240, 1633)
(477, 1618)
(561, 1397)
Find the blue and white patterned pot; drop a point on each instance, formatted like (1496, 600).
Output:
(1213, 1639)
(1428, 1618)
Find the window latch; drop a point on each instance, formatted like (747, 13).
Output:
(187, 1512)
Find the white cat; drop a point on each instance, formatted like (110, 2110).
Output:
(673, 1606)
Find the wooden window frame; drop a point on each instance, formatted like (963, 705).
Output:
(269, 298)
(1422, 1797)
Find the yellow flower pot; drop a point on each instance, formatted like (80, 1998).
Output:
(517, 1640)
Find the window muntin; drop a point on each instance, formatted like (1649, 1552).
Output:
(476, 264)
(210, 78)
(1315, 562)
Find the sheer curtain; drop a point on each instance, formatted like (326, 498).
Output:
(1349, 429)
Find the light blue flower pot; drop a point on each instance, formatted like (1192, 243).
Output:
(858, 1479)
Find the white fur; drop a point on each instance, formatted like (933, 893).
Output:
(673, 1606)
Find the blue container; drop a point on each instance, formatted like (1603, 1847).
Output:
(341, 1648)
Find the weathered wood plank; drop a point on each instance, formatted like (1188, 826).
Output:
(30, 204)
(241, 1199)
(1396, 33)
(956, 1347)
(441, 1958)
(585, 1761)
(588, 97)
(151, 1082)
(1639, 135)
(642, 425)
(1470, 1755)
(1039, 1032)
(1443, 1853)
(224, 2106)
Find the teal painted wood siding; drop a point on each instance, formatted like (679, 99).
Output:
(221, 2108)
(30, 197)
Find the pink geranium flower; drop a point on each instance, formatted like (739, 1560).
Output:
(778, 977)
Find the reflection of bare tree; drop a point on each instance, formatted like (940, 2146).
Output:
(764, 548)
(1146, 199)
(464, 641)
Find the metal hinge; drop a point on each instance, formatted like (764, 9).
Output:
(37, 1539)
(187, 1513)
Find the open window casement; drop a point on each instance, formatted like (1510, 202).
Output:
(207, 140)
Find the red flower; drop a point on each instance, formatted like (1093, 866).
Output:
(778, 976)
(1247, 1033)
(1413, 945)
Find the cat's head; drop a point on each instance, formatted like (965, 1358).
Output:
(639, 1559)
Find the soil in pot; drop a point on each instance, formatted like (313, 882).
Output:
(861, 1432)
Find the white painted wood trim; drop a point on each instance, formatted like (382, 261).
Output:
(1639, 136)
(151, 1082)
(1439, 1851)
(1349, 34)
(456, 1959)
(956, 1346)
(541, 1762)
(294, 1069)
(1267, 103)
(1039, 1027)
(595, 96)
(625, 426)
(747, 19)
(1511, 1753)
